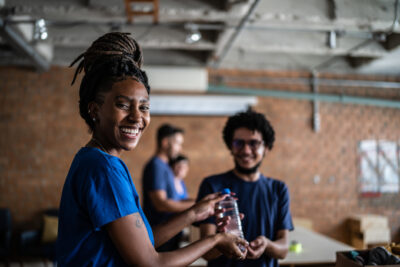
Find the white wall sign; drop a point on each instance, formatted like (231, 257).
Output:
(379, 166)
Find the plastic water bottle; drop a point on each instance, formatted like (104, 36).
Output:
(231, 210)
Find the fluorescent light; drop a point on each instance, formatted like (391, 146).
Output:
(40, 30)
(332, 39)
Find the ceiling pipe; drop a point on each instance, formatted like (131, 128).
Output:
(19, 43)
(357, 34)
(344, 99)
(316, 114)
(321, 82)
(395, 23)
(363, 34)
(233, 37)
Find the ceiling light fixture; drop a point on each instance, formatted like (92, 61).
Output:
(193, 35)
(332, 39)
(40, 30)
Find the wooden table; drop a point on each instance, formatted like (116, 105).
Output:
(317, 249)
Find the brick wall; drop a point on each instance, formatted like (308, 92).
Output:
(41, 131)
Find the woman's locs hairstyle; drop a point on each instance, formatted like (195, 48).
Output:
(111, 58)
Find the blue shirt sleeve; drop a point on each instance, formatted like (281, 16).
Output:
(109, 195)
(156, 178)
(284, 216)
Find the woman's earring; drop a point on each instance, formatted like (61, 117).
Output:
(94, 119)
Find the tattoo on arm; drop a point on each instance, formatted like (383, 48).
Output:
(139, 221)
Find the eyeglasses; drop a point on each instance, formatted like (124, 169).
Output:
(239, 144)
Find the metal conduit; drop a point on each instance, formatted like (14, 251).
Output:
(316, 115)
(344, 99)
(320, 81)
(236, 33)
(19, 43)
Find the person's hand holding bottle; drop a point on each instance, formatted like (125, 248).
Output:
(221, 220)
(206, 206)
(232, 246)
(228, 244)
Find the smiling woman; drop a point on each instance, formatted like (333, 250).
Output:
(101, 222)
(121, 118)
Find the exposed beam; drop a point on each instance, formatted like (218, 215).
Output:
(392, 41)
(20, 44)
(357, 62)
(235, 34)
(332, 9)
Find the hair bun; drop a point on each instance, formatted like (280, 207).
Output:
(113, 44)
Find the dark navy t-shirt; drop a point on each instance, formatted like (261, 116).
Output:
(97, 191)
(265, 204)
(157, 175)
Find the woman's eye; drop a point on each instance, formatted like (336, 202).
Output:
(122, 106)
(145, 108)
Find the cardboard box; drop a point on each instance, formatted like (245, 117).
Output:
(370, 236)
(343, 260)
(361, 222)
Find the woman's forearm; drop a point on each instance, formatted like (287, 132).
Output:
(136, 249)
(212, 254)
(165, 231)
(186, 255)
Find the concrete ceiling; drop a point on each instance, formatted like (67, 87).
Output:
(239, 34)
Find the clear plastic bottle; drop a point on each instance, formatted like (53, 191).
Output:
(231, 209)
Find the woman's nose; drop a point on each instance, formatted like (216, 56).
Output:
(134, 114)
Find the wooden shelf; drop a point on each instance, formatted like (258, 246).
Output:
(130, 14)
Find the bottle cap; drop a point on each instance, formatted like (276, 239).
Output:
(226, 191)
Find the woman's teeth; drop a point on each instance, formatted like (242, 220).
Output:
(130, 130)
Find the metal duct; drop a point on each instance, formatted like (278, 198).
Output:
(236, 33)
(18, 42)
(344, 99)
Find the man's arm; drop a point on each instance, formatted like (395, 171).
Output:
(277, 249)
(163, 204)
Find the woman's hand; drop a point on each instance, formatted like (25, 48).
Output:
(230, 245)
(206, 206)
(221, 221)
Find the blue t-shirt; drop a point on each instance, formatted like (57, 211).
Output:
(265, 204)
(157, 175)
(97, 191)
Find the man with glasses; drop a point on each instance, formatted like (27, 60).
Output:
(263, 201)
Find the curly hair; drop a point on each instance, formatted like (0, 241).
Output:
(251, 120)
(111, 58)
